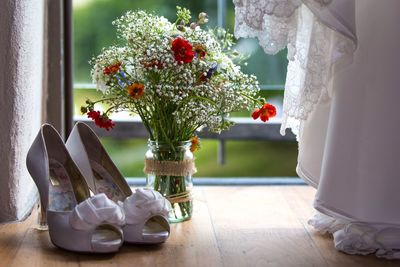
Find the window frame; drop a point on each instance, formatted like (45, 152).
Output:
(244, 128)
(58, 74)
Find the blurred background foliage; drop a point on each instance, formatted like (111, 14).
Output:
(93, 31)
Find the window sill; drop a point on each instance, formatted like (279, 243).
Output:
(231, 181)
(244, 129)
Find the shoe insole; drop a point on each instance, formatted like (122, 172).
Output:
(106, 237)
(152, 226)
(61, 194)
(104, 183)
(154, 232)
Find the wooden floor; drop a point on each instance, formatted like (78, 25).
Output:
(231, 226)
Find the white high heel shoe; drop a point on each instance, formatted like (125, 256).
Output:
(76, 221)
(146, 210)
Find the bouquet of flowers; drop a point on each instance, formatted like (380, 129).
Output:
(177, 77)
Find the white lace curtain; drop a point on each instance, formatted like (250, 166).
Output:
(339, 101)
(314, 45)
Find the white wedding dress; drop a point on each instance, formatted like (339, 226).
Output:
(341, 97)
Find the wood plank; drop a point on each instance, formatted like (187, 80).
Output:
(11, 239)
(231, 226)
(192, 243)
(255, 227)
(300, 200)
(36, 249)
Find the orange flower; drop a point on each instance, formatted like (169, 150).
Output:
(266, 112)
(200, 50)
(195, 143)
(136, 90)
(112, 68)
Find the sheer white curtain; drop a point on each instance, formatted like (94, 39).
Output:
(340, 99)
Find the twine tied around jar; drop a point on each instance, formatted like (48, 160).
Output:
(180, 198)
(172, 168)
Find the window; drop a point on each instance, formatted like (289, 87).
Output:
(249, 143)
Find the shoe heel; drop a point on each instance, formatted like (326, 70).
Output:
(42, 219)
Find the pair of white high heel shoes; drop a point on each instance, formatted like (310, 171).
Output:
(98, 223)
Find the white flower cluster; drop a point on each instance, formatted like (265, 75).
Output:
(178, 78)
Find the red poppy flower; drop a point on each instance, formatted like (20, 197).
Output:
(183, 50)
(101, 120)
(135, 90)
(93, 114)
(256, 114)
(266, 112)
(112, 68)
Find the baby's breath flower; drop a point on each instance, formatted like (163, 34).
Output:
(184, 86)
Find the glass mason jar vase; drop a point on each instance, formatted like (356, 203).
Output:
(169, 171)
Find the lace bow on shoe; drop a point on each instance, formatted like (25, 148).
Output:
(95, 211)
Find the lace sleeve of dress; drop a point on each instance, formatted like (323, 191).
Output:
(317, 38)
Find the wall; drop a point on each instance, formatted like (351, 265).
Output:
(21, 81)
